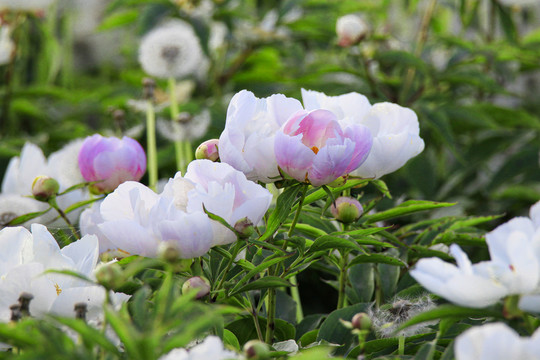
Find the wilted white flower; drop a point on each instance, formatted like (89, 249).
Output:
(25, 5)
(210, 348)
(387, 318)
(172, 50)
(6, 45)
(186, 127)
(496, 341)
(351, 29)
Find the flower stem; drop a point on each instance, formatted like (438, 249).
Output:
(342, 298)
(52, 203)
(175, 111)
(151, 145)
(236, 250)
(270, 316)
(401, 345)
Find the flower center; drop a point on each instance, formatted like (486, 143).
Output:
(170, 53)
(315, 149)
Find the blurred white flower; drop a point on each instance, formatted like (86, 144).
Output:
(6, 45)
(351, 29)
(137, 220)
(22, 170)
(224, 191)
(25, 5)
(496, 341)
(171, 50)
(519, 2)
(186, 127)
(27, 255)
(211, 348)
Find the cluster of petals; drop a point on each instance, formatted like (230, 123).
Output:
(110, 161)
(514, 268)
(136, 220)
(24, 260)
(209, 348)
(328, 137)
(496, 341)
(21, 172)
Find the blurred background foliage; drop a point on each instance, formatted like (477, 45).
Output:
(469, 68)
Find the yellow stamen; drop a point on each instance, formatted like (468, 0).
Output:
(315, 149)
(58, 290)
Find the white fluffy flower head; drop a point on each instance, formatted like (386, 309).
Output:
(172, 50)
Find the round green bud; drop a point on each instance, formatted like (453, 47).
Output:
(110, 275)
(244, 228)
(199, 283)
(256, 350)
(361, 321)
(44, 188)
(208, 150)
(346, 209)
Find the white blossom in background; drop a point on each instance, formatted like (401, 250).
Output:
(171, 50)
(137, 220)
(496, 341)
(247, 142)
(6, 45)
(351, 29)
(224, 191)
(25, 5)
(519, 2)
(27, 255)
(187, 127)
(21, 172)
(211, 348)
(395, 129)
(514, 268)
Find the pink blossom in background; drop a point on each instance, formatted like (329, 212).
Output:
(111, 161)
(312, 147)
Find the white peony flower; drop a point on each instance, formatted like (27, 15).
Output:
(6, 45)
(210, 348)
(89, 224)
(496, 341)
(247, 142)
(395, 129)
(27, 255)
(172, 50)
(137, 220)
(224, 191)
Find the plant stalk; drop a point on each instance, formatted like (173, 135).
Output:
(151, 145)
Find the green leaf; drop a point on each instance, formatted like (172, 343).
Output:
(230, 339)
(406, 208)
(377, 258)
(90, 334)
(333, 331)
(321, 194)
(119, 18)
(70, 273)
(283, 207)
(262, 283)
(333, 242)
(308, 338)
(382, 187)
(24, 218)
(258, 269)
(79, 204)
(450, 311)
(362, 279)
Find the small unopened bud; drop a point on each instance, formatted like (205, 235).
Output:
(208, 150)
(149, 85)
(169, 252)
(197, 283)
(44, 188)
(361, 321)
(24, 302)
(15, 312)
(256, 350)
(80, 308)
(110, 275)
(346, 209)
(351, 29)
(244, 228)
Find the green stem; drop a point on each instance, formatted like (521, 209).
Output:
(297, 214)
(270, 316)
(236, 250)
(151, 145)
(175, 111)
(295, 294)
(255, 315)
(52, 202)
(342, 297)
(401, 345)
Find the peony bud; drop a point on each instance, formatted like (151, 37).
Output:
(110, 275)
(208, 150)
(256, 350)
(351, 29)
(361, 321)
(346, 209)
(111, 161)
(44, 187)
(197, 282)
(244, 227)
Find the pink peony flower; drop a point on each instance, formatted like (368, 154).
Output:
(312, 147)
(111, 161)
